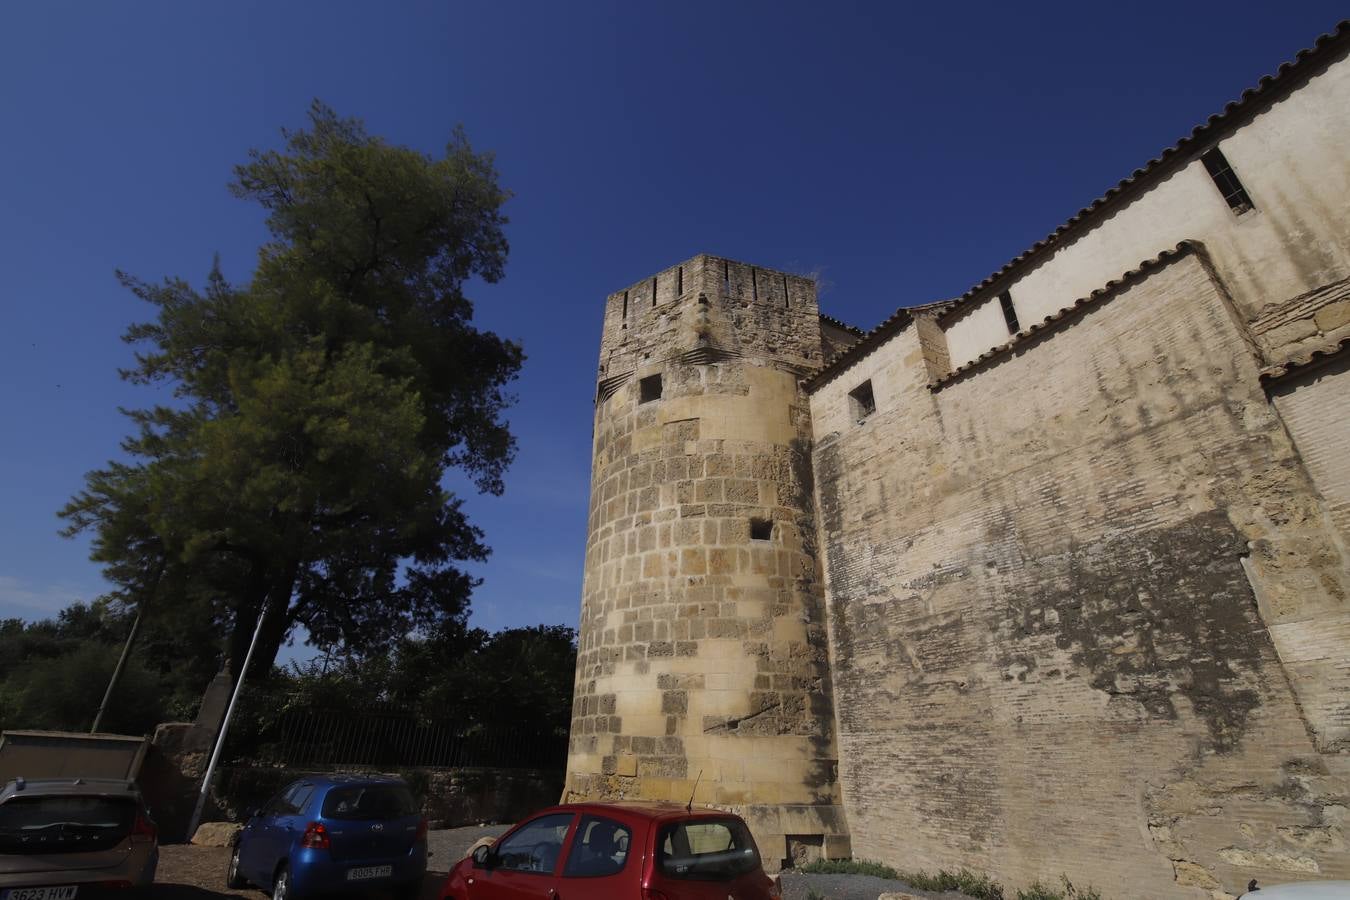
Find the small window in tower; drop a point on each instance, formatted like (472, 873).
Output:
(649, 389)
(862, 401)
(1226, 180)
(761, 529)
(1009, 313)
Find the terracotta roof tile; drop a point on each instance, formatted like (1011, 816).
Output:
(1312, 358)
(1052, 321)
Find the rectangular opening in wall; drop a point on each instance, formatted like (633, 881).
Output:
(761, 530)
(653, 293)
(1226, 180)
(649, 389)
(1009, 313)
(861, 401)
(726, 278)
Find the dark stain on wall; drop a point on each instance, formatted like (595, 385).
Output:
(1162, 613)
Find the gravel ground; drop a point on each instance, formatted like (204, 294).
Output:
(449, 845)
(198, 873)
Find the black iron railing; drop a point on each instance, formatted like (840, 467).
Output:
(388, 736)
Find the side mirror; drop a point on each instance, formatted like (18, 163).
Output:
(482, 857)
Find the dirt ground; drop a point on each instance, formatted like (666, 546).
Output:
(198, 873)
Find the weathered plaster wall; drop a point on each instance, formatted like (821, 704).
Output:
(1291, 158)
(702, 652)
(1049, 585)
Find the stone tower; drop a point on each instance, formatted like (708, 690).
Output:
(703, 645)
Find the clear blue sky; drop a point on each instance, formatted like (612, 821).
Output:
(904, 150)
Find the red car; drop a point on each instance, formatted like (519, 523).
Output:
(617, 851)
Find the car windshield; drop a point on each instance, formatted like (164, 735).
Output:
(370, 802)
(707, 850)
(64, 824)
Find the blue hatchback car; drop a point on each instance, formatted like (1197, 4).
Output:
(333, 834)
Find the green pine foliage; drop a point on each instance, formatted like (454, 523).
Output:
(317, 409)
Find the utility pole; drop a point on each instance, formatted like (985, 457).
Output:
(117, 670)
(224, 728)
(126, 648)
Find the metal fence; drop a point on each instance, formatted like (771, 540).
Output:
(388, 736)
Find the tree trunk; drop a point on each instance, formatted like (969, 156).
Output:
(245, 619)
(277, 624)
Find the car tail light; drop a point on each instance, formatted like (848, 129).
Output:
(143, 830)
(315, 837)
(421, 832)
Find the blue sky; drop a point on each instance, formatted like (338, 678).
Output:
(904, 151)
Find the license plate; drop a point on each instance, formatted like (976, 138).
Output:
(66, 892)
(365, 872)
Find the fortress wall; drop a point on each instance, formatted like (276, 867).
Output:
(1290, 158)
(1049, 589)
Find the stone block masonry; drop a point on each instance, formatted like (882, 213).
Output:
(1043, 578)
(703, 666)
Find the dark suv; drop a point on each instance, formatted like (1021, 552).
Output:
(61, 839)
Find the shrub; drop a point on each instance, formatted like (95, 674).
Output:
(973, 884)
(849, 867)
(1068, 891)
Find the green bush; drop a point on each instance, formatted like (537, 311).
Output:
(982, 887)
(1068, 891)
(848, 867)
(972, 884)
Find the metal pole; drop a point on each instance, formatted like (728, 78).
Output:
(224, 727)
(117, 670)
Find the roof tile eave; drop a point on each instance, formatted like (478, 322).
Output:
(1303, 61)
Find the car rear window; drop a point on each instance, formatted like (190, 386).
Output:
(707, 850)
(64, 824)
(370, 802)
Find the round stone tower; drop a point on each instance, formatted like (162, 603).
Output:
(703, 650)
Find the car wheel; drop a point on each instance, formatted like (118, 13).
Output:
(281, 885)
(233, 880)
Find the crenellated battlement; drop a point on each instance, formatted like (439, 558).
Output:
(716, 306)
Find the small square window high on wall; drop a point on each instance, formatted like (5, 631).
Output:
(649, 389)
(861, 401)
